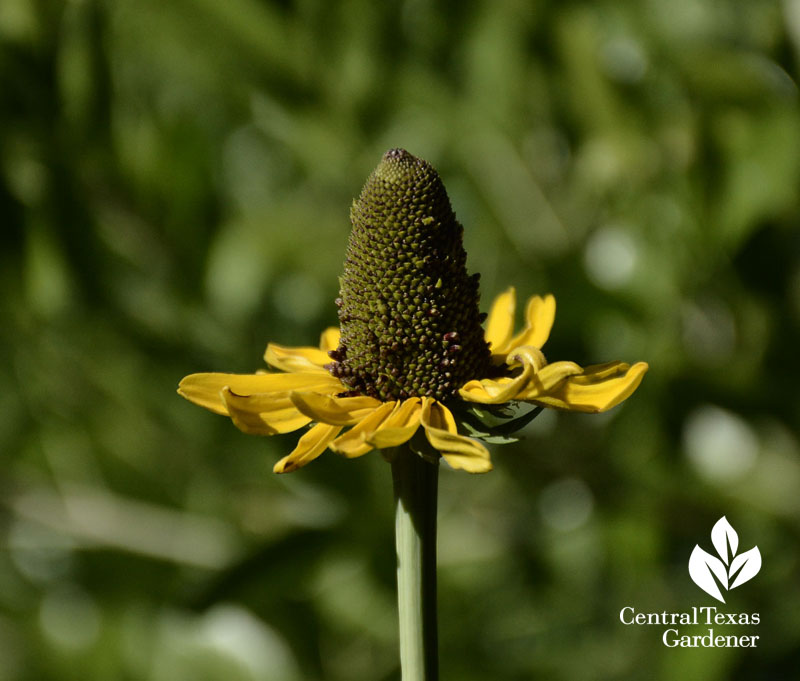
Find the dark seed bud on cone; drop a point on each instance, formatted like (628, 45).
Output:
(405, 286)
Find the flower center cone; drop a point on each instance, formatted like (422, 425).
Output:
(408, 309)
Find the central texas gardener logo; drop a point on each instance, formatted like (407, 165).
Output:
(730, 569)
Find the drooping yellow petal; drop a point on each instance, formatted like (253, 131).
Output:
(500, 323)
(505, 388)
(540, 313)
(487, 390)
(399, 427)
(459, 451)
(309, 447)
(547, 378)
(527, 355)
(355, 442)
(339, 411)
(204, 389)
(598, 388)
(329, 340)
(296, 359)
(263, 413)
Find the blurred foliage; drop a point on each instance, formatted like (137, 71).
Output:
(174, 186)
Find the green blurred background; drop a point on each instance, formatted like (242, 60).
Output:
(175, 180)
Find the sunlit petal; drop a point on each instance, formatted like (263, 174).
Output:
(355, 442)
(598, 388)
(339, 411)
(540, 313)
(500, 323)
(204, 389)
(506, 388)
(527, 355)
(399, 427)
(296, 359)
(488, 390)
(309, 447)
(547, 379)
(459, 451)
(263, 413)
(329, 340)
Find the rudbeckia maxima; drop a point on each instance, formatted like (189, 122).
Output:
(300, 392)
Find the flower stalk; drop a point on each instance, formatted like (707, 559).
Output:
(415, 488)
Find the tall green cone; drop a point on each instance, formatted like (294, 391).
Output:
(409, 314)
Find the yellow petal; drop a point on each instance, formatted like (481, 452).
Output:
(263, 413)
(505, 388)
(547, 378)
(459, 451)
(204, 389)
(329, 340)
(399, 427)
(487, 390)
(527, 355)
(339, 411)
(309, 447)
(500, 323)
(355, 442)
(296, 359)
(598, 388)
(540, 313)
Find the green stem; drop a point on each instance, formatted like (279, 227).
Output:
(415, 490)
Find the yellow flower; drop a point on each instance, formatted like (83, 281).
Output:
(409, 344)
(303, 392)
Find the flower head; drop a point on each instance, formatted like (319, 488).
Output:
(410, 362)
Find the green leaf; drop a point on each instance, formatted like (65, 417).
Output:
(485, 434)
(520, 422)
(493, 425)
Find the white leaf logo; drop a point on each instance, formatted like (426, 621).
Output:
(729, 570)
(747, 564)
(722, 536)
(702, 567)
